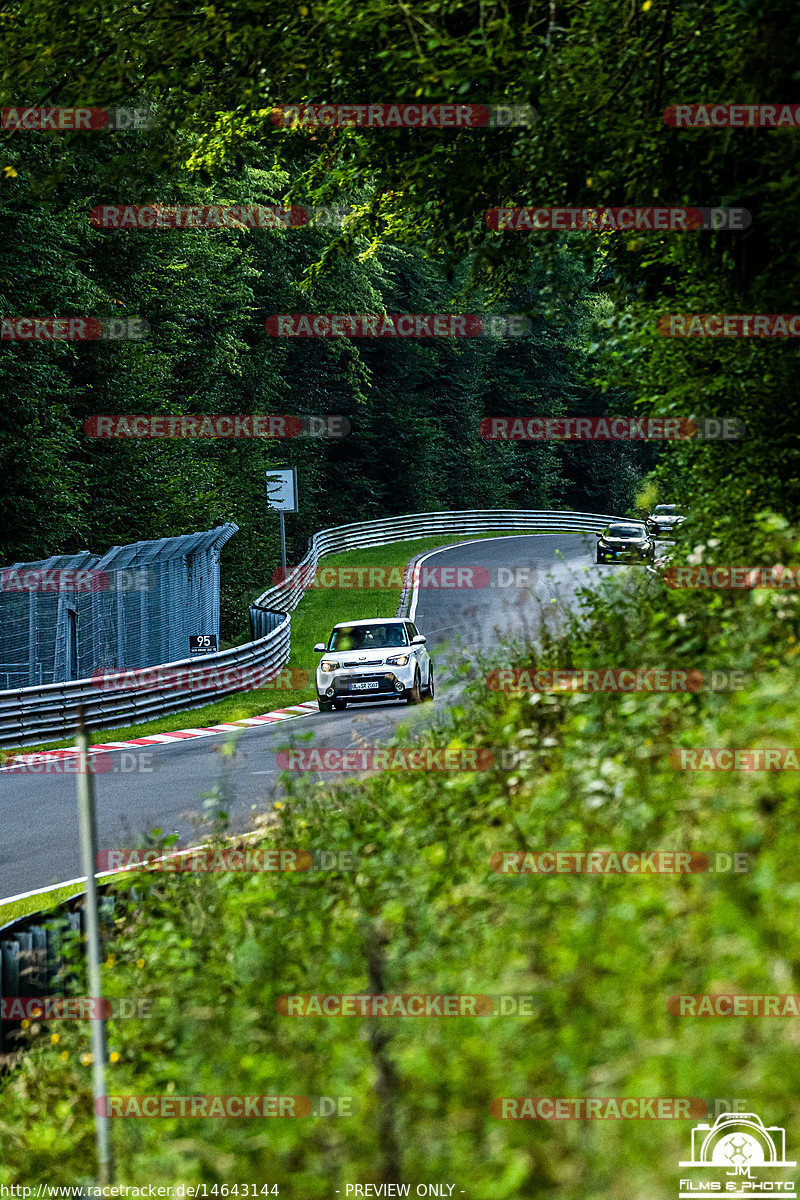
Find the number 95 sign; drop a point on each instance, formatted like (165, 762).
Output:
(203, 643)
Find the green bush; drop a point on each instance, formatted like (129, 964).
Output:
(424, 912)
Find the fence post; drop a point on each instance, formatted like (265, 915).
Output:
(87, 820)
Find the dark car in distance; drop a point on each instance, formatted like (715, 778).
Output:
(625, 541)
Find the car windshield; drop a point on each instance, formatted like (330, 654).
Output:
(367, 637)
(625, 531)
(665, 510)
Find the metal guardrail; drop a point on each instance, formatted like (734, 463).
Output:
(288, 594)
(32, 959)
(33, 715)
(39, 714)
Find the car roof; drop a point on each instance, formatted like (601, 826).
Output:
(371, 621)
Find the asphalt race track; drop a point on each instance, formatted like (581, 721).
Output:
(40, 833)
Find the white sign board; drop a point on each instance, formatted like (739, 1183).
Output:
(282, 489)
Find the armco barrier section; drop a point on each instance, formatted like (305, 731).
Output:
(288, 594)
(32, 960)
(39, 714)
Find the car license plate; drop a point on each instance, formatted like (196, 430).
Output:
(363, 687)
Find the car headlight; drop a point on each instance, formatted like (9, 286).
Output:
(602, 542)
(328, 664)
(399, 660)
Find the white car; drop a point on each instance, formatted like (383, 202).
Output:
(664, 521)
(379, 659)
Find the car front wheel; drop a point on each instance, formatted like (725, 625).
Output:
(325, 705)
(415, 695)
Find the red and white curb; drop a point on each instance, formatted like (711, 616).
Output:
(159, 739)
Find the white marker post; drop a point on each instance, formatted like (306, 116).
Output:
(87, 821)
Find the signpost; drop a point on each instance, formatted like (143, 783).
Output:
(282, 497)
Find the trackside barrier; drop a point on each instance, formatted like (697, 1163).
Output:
(288, 594)
(40, 714)
(32, 961)
(32, 715)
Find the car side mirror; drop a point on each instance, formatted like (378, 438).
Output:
(419, 640)
(320, 647)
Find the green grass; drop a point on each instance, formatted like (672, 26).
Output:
(312, 621)
(52, 898)
(39, 903)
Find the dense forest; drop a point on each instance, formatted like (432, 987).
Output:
(416, 241)
(203, 297)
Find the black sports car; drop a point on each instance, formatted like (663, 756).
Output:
(630, 542)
